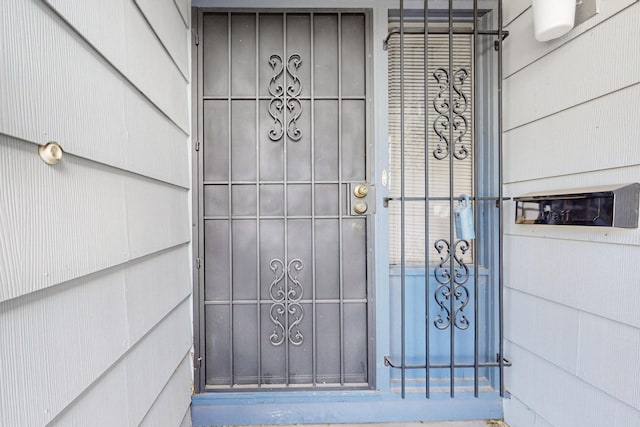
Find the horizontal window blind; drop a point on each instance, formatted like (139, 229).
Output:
(414, 140)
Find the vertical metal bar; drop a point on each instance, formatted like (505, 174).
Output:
(427, 276)
(286, 212)
(258, 296)
(476, 205)
(201, 313)
(370, 233)
(402, 210)
(230, 243)
(501, 210)
(452, 243)
(314, 341)
(341, 197)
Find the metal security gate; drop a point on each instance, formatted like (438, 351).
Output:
(284, 202)
(445, 144)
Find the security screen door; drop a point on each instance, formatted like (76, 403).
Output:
(286, 236)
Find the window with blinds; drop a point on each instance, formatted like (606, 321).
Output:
(416, 158)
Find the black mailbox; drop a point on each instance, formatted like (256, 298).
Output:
(610, 206)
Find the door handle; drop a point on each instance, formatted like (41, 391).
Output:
(361, 191)
(360, 201)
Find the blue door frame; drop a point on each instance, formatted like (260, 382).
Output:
(383, 404)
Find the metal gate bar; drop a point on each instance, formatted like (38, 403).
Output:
(403, 273)
(501, 210)
(476, 210)
(230, 136)
(450, 281)
(314, 341)
(427, 316)
(258, 272)
(452, 244)
(341, 201)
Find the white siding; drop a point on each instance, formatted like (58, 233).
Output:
(95, 323)
(572, 327)
(166, 20)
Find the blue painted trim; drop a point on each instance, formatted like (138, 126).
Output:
(215, 409)
(380, 114)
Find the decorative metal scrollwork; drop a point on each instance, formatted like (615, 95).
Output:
(446, 110)
(286, 312)
(293, 104)
(280, 97)
(446, 286)
(276, 103)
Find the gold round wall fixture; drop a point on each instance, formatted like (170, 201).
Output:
(50, 153)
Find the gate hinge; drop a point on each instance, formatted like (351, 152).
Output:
(197, 39)
(197, 262)
(197, 145)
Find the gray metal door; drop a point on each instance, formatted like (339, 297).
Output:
(284, 228)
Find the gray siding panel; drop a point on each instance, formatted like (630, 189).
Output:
(141, 58)
(615, 281)
(145, 369)
(547, 87)
(522, 51)
(99, 406)
(56, 342)
(560, 398)
(168, 25)
(546, 143)
(106, 316)
(153, 285)
(151, 364)
(61, 90)
(100, 22)
(58, 223)
(167, 410)
(95, 323)
(151, 69)
(572, 327)
(155, 147)
(157, 216)
(184, 7)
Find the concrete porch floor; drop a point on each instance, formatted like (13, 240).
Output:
(476, 423)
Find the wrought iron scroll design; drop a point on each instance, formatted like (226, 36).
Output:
(286, 312)
(276, 104)
(293, 91)
(451, 284)
(446, 110)
(280, 97)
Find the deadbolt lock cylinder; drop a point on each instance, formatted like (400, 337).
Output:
(360, 207)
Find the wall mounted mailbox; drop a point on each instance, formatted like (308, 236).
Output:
(609, 206)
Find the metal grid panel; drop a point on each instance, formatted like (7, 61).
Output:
(454, 340)
(287, 278)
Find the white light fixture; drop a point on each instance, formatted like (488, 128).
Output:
(553, 18)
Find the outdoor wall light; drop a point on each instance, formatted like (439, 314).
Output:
(50, 153)
(553, 18)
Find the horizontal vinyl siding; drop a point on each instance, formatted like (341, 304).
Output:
(572, 328)
(61, 89)
(166, 20)
(95, 322)
(167, 409)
